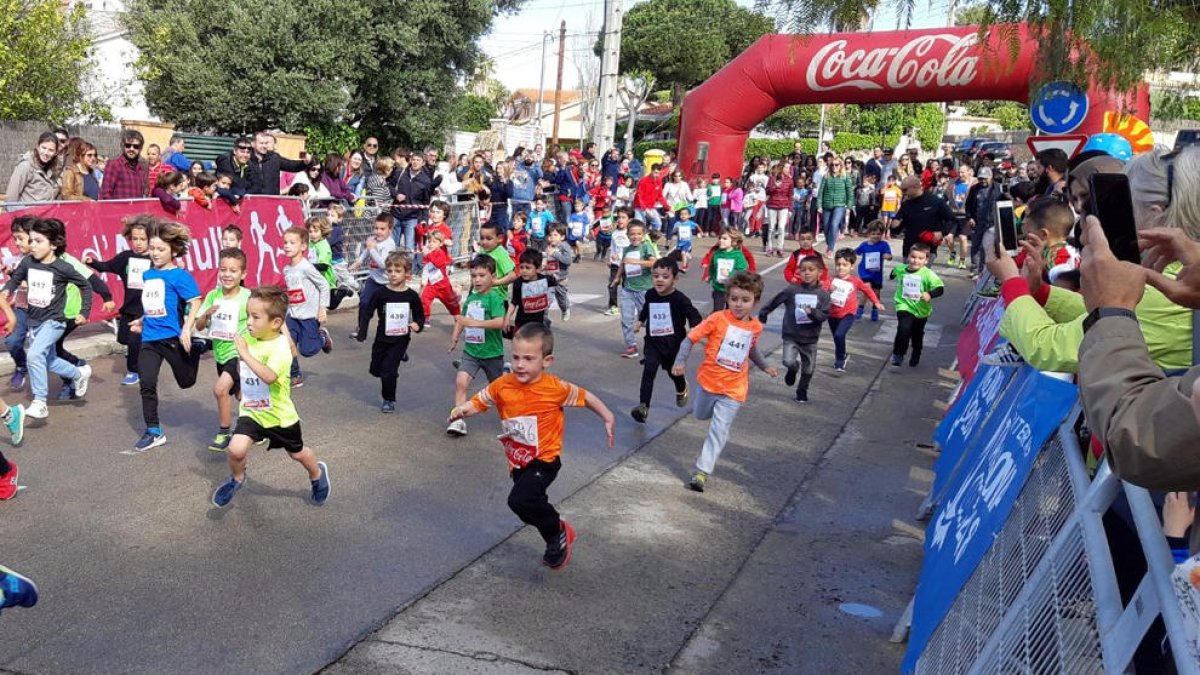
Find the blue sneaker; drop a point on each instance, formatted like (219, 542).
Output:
(859, 313)
(874, 314)
(147, 441)
(16, 590)
(225, 493)
(18, 379)
(131, 379)
(16, 425)
(320, 486)
(388, 407)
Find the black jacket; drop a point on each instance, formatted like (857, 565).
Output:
(244, 177)
(416, 189)
(268, 169)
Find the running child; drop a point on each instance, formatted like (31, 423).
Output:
(871, 254)
(805, 241)
(438, 212)
(844, 308)
(539, 223)
(602, 231)
(727, 261)
(577, 226)
(267, 411)
(376, 251)
(166, 331)
(224, 313)
(47, 277)
(130, 265)
(685, 230)
(889, 202)
(72, 311)
(667, 314)
(517, 238)
(618, 242)
(346, 284)
(731, 343)
(480, 326)
(636, 260)
(320, 254)
(505, 270)
(530, 404)
(435, 276)
(308, 296)
(400, 313)
(530, 294)
(15, 340)
(806, 306)
(916, 287)
(558, 267)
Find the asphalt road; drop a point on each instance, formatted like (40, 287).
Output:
(140, 574)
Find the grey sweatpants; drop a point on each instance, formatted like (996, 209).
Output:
(721, 409)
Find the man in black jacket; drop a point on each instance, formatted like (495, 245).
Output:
(236, 163)
(411, 186)
(269, 164)
(922, 215)
(980, 208)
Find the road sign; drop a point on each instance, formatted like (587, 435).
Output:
(1068, 143)
(1058, 108)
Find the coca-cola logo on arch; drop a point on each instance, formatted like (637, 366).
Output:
(940, 59)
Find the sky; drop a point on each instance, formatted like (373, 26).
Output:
(514, 43)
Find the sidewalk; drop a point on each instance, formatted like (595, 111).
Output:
(750, 576)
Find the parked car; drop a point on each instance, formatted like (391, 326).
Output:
(965, 146)
(998, 150)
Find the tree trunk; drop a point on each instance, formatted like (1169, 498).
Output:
(677, 93)
(630, 127)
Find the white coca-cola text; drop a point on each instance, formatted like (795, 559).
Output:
(918, 63)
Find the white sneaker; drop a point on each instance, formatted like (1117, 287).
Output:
(37, 410)
(566, 316)
(1004, 356)
(81, 382)
(457, 428)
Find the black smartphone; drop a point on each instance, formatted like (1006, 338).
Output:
(1006, 227)
(1111, 202)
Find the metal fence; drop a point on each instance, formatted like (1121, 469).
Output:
(1045, 599)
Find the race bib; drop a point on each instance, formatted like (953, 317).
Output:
(154, 298)
(840, 291)
(912, 287)
(803, 303)
(134, 270)
(312, 255)
(724, 269)
(633, 269)
(474, 336)
(256, 394)
(520, 440)
(606, 227)
(41, 287)
(660, 319)
(577, 229)
(873, 261)
(538, 227)
(534, 296)
(223, 323)
(296, 296)
(735, 348)
(619, 241)
(397, 317)
(431, 274)
(684, 232)
(552, 265)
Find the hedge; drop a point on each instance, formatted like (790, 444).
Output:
(778, 147)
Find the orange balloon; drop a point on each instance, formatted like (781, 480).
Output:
(1134, 130)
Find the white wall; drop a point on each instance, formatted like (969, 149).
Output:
(114, 81)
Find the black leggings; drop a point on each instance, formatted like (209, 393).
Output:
(614, 273)
(528, 497)
(386, 358)
(650, 365)
(60, 348)
(183, 365)
(4, 465)
(132, 342)
(909, 327)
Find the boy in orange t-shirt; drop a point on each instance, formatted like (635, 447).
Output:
(530, 403)
(724, 376)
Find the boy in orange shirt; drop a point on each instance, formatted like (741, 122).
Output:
(724, 376)
(530, 403)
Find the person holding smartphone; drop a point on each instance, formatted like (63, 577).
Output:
(981, 208)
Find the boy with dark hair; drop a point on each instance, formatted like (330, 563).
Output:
(807, 307)
(731, 338)
(491, 242)
(231, 237)
(530, 293)
(223, 313)
(480, 325)
(871, 255)
(267, 410)
(559, 257)
(667, 313)
(916, 287)
(530, 403)
(636, 261)
(400, 313)
(377, 248)
(308, 300)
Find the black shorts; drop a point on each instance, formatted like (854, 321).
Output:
(960, 227)
(231, 367)
(386, 357)
(287, 438)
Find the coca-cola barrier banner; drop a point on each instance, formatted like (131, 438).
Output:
(979, 336)
(914, 66)
(94, 228)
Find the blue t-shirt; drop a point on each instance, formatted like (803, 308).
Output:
(163, 293)
(538, 222)
(577, 226)
(870, 260)
(960, 195)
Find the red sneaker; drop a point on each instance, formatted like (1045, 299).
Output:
(558, 553)
(8, 482)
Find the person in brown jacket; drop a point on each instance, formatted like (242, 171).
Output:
(79, 182)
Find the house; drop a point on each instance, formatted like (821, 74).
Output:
(114, 81)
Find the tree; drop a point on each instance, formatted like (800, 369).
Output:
(683, 42)
(1012, 116)
(390, 68)
(43, 62)
(794, 119)
(634, 89)
(1112, 41)
(971, 15)
(472, 112)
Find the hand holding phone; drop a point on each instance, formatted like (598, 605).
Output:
(1111, 202)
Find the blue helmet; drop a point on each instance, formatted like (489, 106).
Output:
(1114, 145)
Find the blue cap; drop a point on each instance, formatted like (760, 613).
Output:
(1114, 145)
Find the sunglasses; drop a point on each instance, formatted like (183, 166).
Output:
(89, 154)
(372, 145)
(133, 146)
(243, 147)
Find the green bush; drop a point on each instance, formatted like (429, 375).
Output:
(774, 148)
(641, 147)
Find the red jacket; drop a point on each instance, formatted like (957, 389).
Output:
(600, 197)
(517, 243)
(791, 271)
(441, 259)
(423, 230)
(649, 194)
(779, 193)
(850, 304)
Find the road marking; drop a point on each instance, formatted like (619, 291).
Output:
(582, 297)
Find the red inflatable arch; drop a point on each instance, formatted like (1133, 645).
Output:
(915, 66)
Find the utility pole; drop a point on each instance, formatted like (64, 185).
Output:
(562, 52)
(606, 122)
(542, 85)
(821, 130)
(951, 11)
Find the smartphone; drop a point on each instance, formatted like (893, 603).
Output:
(1006, 227)
(1111, 201)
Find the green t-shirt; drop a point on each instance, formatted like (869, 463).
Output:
(504, 265)
(637, 278)
(227, 321)
(723, 264)
(74, 301)
(910, 286)
(484, 343)
(269, 405)
(714, 194)
(320, 254)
